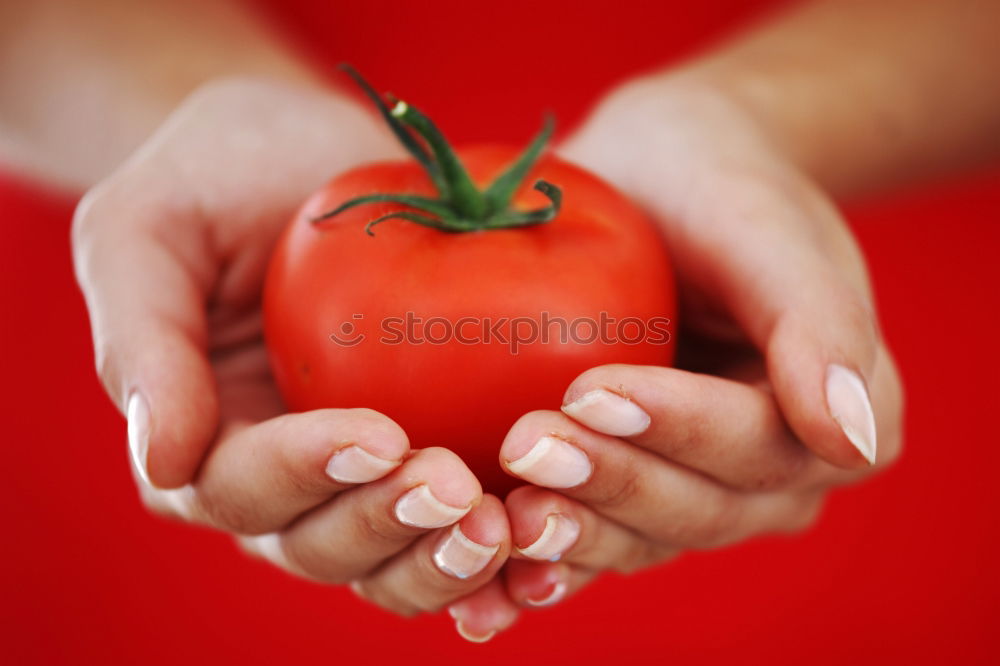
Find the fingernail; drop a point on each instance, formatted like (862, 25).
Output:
(553, 597)
(609, 413)
(419, 508)
(461, 557)
(352, 464)
(137, 415)
(553, 463)
(849, 404)
(465, 633)
(559, 534)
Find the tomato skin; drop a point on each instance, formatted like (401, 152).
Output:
(599, 255)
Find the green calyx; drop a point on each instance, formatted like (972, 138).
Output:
(460, 205)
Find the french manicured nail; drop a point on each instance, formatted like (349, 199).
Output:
(553, 463)
(559, 534)
(609, 413)
(461, 557)
(553, 597)
(465, 633)
(849, 404)
(419, 508)
(352, 464)
(137, 414)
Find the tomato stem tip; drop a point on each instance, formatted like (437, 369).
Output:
(460, 205)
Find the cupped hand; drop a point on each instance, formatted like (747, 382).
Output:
(784, 388)
(170, 252)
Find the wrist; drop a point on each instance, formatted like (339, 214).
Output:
(781, 109)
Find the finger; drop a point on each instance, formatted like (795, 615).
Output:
(822, 388)
(356, 531)
(731, 431)
(541, 584)
(146, 310)
(483, 614)
(259, 478)
(661, 500)
(888, 389)
(547, 527)
(443, 566)
(810, 311)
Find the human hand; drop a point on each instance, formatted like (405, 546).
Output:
(768, 409)
(170, 252)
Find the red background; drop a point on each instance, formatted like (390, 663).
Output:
(900, 570)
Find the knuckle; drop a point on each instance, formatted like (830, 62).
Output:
(384, 598)
(316, 562)
(227, 515)
(804, 515)
(372, 528)
(638, 554)
(713, 532)
(680, 434)
(83, 215)
(625, 489)
(426, 600)
(300, 483)
(399, 607)
(94, 210)
(856, 313)
(325, 555)
(300, 468)
(435, 588)
(711, 528)
(301, 456)
(763, 481)
(773, 475)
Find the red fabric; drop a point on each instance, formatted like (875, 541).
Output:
(899, 570)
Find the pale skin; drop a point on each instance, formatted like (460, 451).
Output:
(737, 154)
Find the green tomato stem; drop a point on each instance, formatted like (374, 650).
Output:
(460, 205)
(466, 198)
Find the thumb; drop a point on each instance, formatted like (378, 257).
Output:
(762, 244)
(820, 359)
(808, 308)
(146, 309)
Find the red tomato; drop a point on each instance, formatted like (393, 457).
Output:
(337, 300)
